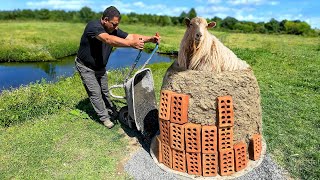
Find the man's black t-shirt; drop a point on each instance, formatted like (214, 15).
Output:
(92, 52)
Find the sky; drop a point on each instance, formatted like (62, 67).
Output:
(244, 10)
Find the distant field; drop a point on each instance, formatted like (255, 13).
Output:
(48, 41)
(286, 67)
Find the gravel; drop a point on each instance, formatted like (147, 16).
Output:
(141, 166)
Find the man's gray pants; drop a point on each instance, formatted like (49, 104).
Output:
(96, 85)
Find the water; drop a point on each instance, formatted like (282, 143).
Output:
(16, 74)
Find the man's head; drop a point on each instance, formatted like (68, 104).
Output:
(111, 18)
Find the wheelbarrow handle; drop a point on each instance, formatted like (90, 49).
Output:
(114, 87)
(153, 52)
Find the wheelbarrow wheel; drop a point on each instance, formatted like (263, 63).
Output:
(125, 118)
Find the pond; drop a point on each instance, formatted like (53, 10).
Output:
(16, 74)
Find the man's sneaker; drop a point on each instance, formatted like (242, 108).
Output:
(108, 123)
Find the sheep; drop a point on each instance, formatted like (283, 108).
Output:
(200, 50)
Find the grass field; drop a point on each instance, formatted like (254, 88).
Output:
(51, 130)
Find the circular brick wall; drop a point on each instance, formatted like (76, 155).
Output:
(210, 124)
(204, 88)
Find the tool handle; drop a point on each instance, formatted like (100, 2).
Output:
(153, 52)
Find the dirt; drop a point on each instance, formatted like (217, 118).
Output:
(204, 88)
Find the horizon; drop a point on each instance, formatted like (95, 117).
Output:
(243, 10)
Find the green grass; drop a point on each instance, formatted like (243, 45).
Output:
(62, 146)
(38, 41)
(287, 70)
(49, 41)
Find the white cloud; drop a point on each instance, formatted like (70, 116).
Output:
(59, 4)
(314, 22)
(141, 8)
(214, 1)
(252, 2)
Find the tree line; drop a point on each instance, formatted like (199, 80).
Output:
(296, 27)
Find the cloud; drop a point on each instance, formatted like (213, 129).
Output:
(214, 1)
(158, 9)
(59, 4)
(252, 2)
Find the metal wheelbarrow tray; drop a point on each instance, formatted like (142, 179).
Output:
(141, 110)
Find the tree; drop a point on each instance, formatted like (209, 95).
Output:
(125, 18)
(164, 21)
(182, 16)
(86, 14)
(42, 14)
(218, 21)
(297, 27)
(229, 23)
(244, 27)
(273, 26)
(192, 13)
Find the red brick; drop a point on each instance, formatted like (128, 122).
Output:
(193, 137)
(225, 138)
(225, 111)
(226, 162)
(240, 153)
(256, 147)
(166, 155)
(165, 104)
(179, 108)
(209, 139)
(179, 160)
(177, 136)
(210, 164)
(164, 131)
(159, 150)
(194, 163)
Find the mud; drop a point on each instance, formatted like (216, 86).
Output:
(204, 88)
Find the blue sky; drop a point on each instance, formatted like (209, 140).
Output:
(250, 10)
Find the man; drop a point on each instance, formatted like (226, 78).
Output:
(96, 44)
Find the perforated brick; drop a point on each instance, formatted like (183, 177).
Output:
(240, 153)
(177, 136)
(225, 111)
(159, 150)
(164, 131)
(165, 104)
(179, 160)
(209, 139)
(226, 162)
(210, 164)
(179, 108)
(193, 137)
(166, 155)
(194, 163)
(256, 147)
(225, 138)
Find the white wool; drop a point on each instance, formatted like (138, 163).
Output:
(209, 55)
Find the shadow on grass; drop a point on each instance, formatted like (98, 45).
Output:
(151, 128)
(144, 140)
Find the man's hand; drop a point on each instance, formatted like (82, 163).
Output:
(137, 43)
(156, 38)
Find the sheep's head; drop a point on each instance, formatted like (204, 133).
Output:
(196, 28)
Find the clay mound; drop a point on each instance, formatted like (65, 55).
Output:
(204, 88)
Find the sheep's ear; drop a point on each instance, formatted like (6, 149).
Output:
(212, 24)
(187, 21)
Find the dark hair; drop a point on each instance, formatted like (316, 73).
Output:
(111, 12)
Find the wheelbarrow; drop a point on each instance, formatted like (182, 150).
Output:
(141, 110)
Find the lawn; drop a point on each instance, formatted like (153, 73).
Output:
(51, 130)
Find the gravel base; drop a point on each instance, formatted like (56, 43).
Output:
(142, 166)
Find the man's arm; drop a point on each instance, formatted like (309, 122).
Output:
(119, 42)
(153, 39)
